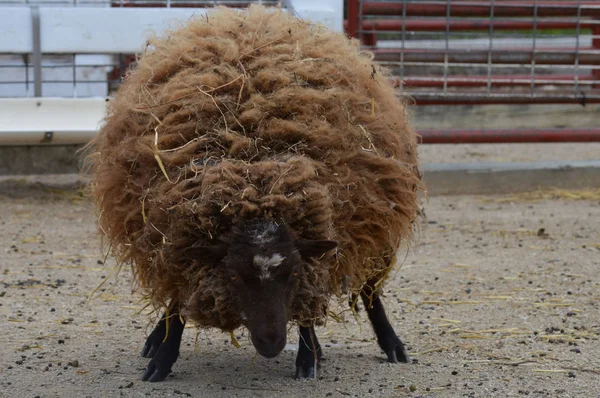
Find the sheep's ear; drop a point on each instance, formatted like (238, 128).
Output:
(206, 254)
(314, 248)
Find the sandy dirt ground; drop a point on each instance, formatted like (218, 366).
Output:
(499, 299)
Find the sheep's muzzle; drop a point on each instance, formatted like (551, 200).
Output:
(268, 328)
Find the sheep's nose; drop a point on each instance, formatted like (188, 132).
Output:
(270, 344)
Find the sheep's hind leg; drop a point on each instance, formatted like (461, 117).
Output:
(309, 355)
(386, 336)
(164, 352)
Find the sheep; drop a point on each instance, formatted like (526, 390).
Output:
(251, 168)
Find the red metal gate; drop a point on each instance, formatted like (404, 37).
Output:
(487, 52)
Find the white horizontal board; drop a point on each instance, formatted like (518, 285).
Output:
(102, 30)
(88, 30)
(27, 121)
(106, 30)
(56, 3)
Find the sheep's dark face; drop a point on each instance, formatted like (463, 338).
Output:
(264, 262)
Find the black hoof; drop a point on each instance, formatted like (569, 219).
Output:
(310, 355)
(155, 372)
(160, 366)
(397, 353)
(306, 371)
(164, 351)
(305, 365)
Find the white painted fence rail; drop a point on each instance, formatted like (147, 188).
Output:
(87, 30)
(50, 121)
(97, 30)
(87, 34)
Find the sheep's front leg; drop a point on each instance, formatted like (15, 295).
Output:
(163, 347)
(309, 355)
(386, 336)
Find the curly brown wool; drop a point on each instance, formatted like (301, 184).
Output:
(254, 114)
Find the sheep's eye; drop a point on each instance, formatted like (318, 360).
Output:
(295, 274)
(235, 278)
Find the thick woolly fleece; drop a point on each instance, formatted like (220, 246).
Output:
(254, 114)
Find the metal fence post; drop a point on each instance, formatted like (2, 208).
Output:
(37, 51)
(353, 10)
(596, 46)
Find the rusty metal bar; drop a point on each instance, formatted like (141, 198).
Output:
(483, 9)
(351, 24)
(499, 56)
(596, 46)
(509, 136)
(494, 81)
(503, 99)
(490, 49)
(534, 35)
(577, 45)
(403, 37)
(422, 25)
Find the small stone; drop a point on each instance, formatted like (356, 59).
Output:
(454, 373)
(61, 341)
(572, 374)
(412, 388)
(74, 363)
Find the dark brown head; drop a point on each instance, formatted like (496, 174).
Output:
(264, 262)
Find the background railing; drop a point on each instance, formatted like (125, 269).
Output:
(487, 52)
(482, 52)
(58, 57)
(444, 52)
(82, 48)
